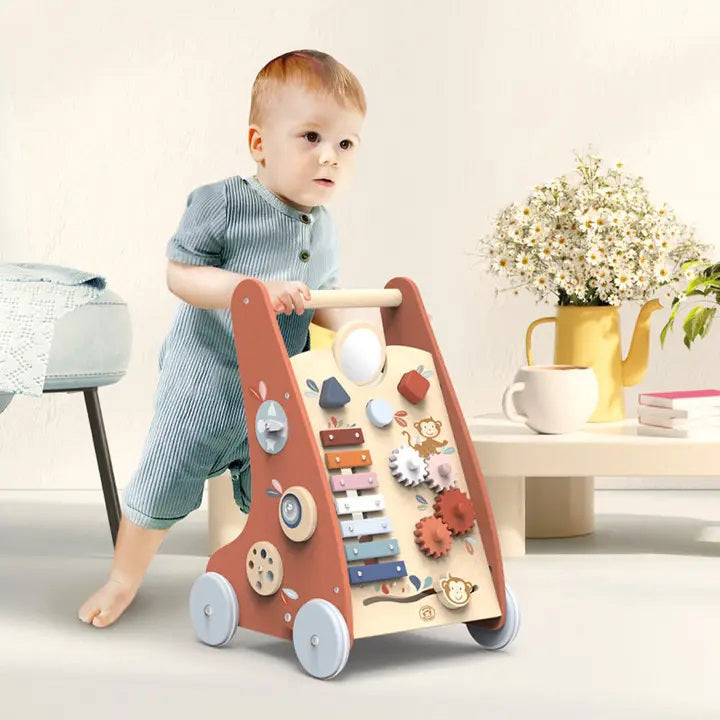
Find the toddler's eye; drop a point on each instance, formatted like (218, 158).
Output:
(349, 142)
(311, 136)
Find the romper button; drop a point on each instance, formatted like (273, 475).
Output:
(304, 255)
(305, 219)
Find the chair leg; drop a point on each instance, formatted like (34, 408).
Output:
(102, 453)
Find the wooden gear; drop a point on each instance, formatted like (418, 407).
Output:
(326, 510)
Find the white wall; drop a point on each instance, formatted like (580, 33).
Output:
(112, 112)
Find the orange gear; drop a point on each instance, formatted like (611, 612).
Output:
(453, 506)
(433, 537)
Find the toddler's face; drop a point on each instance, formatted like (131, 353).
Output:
(306, 137)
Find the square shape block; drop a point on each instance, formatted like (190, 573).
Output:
(413, 386)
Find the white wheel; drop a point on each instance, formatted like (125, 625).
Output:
(213, 609)
(498, 639)
(321, 639)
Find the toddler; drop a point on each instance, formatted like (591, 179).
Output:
(305, 118)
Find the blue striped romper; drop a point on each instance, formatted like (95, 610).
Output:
(199, 429)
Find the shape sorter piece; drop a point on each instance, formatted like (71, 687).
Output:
(332, 394)
(413, 386)
(342, 436)
(347, 459)
(380, 412)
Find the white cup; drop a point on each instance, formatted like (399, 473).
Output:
(551, 398)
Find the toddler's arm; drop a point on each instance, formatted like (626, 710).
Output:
(209, 287)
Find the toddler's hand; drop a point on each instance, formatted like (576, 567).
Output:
(288, 296)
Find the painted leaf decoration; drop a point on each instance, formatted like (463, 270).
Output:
(421, 499)
(254, 392)
(263, 389)
(311, 384)
(415, 580)
(471, 540)
(334, 420)
(282, 597)
(401, 413)
(290, 593)
(427, 374)
(277, 485)
(400, 422)
(449, 450)
(428, 582)
(469, 547)
(272, 493)
(420, 368)
(423, 507)
(385, 589)
(310, 394)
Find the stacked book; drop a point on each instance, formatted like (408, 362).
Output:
(682, 413)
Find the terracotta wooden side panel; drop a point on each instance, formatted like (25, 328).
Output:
(313, 569)
(408, 325)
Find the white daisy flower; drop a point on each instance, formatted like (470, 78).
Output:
(593, 256)
(663, 272)
(501, 263)
(541, 282)
(623, 280)
(523, 214)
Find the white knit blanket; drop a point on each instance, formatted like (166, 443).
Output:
(32, 297)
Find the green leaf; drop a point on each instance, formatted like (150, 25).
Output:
(664, 331)
(697, 323)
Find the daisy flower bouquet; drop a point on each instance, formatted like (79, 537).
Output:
(598, 241)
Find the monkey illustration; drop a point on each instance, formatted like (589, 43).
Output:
(453, 592)
(429, 428)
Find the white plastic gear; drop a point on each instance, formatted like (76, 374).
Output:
(440, 477)
(407, 466)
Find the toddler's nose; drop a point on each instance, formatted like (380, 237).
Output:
(328, 155)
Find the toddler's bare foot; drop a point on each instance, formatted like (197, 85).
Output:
(108, 603)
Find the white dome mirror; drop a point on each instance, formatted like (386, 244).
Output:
(359, 351)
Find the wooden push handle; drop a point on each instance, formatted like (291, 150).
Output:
(354, 298)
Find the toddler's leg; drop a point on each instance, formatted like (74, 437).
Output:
(134, 549)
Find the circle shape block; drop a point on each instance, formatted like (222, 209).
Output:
(380, 412)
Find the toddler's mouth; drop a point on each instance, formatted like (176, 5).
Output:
(324, 182)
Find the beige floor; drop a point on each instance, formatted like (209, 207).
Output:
(624, 623)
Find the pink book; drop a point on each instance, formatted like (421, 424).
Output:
(681, 398)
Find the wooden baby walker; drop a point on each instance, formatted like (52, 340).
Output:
(369, 510)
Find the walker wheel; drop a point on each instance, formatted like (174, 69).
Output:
(498, 639)
(321, 639)
(213, 609)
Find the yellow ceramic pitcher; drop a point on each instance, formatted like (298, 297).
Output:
(589, 335)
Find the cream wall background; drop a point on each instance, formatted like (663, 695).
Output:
(112, 113)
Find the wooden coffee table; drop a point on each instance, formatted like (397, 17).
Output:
(542, 486)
